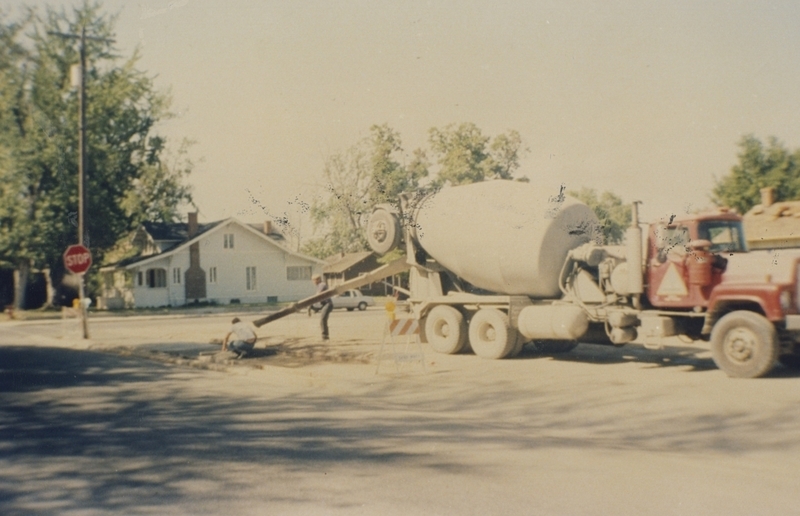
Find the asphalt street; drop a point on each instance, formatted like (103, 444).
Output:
(94, 428)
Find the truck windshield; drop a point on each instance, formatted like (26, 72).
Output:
(726, 236)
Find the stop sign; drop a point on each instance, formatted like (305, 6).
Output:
(77, 259)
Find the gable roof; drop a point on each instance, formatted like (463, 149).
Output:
(277, 235)
(345, 262)
(177, 232)
(167, 231)
(205, 230)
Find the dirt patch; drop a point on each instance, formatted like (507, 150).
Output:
(280, 352)
(297, 352)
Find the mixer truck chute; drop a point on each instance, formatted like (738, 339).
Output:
(497, 265)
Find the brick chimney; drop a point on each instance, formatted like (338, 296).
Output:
(267, 227)
(767, 196)
(192, 226)
(195, 277)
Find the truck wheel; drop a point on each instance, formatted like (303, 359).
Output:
(446, 330)
(554, 347)
(383, 231)
(362, 306)
(744, 344)
(490, 334)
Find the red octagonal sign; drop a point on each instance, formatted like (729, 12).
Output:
(77, 259)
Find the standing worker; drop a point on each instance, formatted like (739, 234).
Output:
(327, 305)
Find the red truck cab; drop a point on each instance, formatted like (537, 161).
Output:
(699, 266)
(687, 257)
(701, 263)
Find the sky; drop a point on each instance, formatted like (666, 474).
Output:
(645, 99)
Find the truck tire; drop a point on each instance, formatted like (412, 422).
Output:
(744, 344)
(554, 347)
(362, 306)
(490, 334)
(446, 330)
(383, 231)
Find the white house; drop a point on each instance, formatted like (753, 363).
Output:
(223, 262)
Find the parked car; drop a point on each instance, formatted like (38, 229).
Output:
(350, 299)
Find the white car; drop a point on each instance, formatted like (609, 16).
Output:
(350, 299)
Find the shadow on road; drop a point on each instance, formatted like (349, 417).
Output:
(690, 358)
(606, 354)
(82, 431)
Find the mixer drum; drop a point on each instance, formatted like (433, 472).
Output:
(504, 236)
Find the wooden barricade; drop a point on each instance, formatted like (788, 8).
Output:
(400, 341)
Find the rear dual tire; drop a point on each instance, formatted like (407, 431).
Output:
(446, 330)
(491, 335)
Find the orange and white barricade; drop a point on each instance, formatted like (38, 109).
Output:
(396, 330)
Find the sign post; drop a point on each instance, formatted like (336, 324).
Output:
(77, 260)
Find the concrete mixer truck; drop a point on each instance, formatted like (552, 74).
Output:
(498, 265)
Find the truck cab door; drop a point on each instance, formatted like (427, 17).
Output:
(667, 267)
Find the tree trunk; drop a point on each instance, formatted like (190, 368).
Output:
(21, 284)
(51, 292)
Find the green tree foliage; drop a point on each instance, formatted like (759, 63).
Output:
(759, 166)
(614, 215)
(465, 155)
(376, 170)
(128, 178)
(366, 174)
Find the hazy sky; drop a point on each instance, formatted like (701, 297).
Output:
(647, 99)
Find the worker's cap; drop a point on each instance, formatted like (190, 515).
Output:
(316, 277)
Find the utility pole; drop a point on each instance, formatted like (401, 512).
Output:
(82, 38)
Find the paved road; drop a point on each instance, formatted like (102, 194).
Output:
(598, 431)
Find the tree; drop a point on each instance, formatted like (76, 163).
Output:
(614, 215)
(465, 155)
(127, 178)
(368, 173)
(759, 166)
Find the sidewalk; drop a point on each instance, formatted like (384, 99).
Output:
(40, 315)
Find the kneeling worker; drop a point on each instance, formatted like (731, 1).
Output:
(245, 338)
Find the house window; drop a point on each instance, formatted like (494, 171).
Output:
(298, 273)
(156, 278)
(139, 279)
(212, 275)
(228, 240)
(176, 275)
(251, 278)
